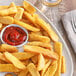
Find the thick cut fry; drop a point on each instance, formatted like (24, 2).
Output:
(35, 37)
(8, 68)
(51, 70)
(23, 55)
(9, 11)
(41, 62)
(45, 67)
(12, 5)
(35, 59)
(6, 20)
(38, 50)
(23, 72)
(0, 26)
(32, 69)
(3, 7)
(63, 67)
(14, 60)
(2, 57)
(58, 50)
(30, 18)
(28, 7)
(19, 14)
(9, 48)
(41, 44)
(19, 55)
(8, 74)
(27, 26)
(47, 28)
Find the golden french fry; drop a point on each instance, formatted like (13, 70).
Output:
(19, 14)
(9, 11)
(18, 55)
(41, 44)
(8, 74)
(26, 21)
(2, 57)
(36, 37)
(23, 72)
(32, 69)
(14, 60)
(0, 26)
(27, 26)
(6, 20)
(47, 28)
(28, 7)
(30, 18)
(9, 48)
(12, 5)
(38, 50)
(45, 67)
(58, 50)
(51, 70)
(23, 55)
(41, 62)
(63, 66)
(3, 7)
(35, 59)
(8, 68)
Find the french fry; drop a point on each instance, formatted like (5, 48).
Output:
(58, 50)
(19, 14)
(2, 57)
(27, 26)
(2, 62)
(6, 20)
(9, 48)
(23, 72)
(8, 68)
(3, 7)
(0, 26)
(23, 55)
(26, 21)
(12, 5)
(45, 67)
(63, 66)
(14, 60)
(38, 50)
(41, 62)
(32, 69)
(8, 74)
(35, 37)
(18, 55)
(41, 44)
(35, 59)
(51, 70)
(30, 18)
(28, 7)
(9, 11)
(47, 28)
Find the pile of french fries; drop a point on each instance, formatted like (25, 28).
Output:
(42, 55)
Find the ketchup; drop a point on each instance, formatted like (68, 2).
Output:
(14, 35)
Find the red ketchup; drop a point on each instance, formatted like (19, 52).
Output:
(14, 35)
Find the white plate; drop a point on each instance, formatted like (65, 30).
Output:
(66, 53)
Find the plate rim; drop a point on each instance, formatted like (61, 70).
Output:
(58, 33)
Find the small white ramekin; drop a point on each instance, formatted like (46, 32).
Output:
(3, 42)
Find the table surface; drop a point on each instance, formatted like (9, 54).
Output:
(54, 14)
